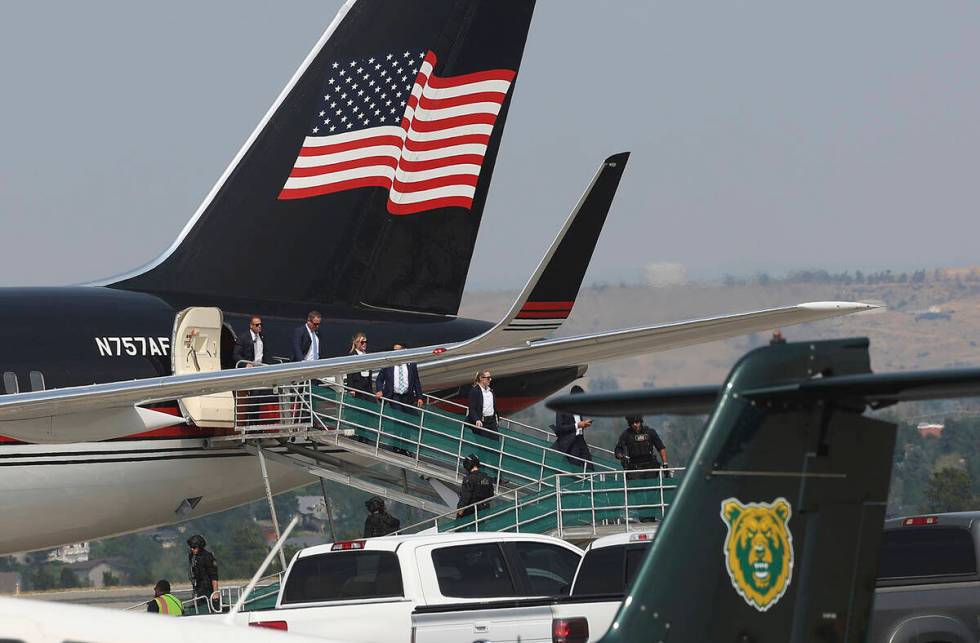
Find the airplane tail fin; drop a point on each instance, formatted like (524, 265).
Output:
(365, 183)
(775, 529)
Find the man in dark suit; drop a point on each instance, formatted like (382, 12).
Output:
(569, 429)
(400, 383)
(250, 350)
(306, 338)
(482, 411)
(250, 347)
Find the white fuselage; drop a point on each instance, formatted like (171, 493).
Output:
(56, 494)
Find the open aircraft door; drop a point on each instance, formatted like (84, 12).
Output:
(197, 349)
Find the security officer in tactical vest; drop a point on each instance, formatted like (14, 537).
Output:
(204, 570)
(476, 486)
(163, 601)
(638, 447)
(379, 522)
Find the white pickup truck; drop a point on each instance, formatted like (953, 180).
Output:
(366, 590)
(608, 568)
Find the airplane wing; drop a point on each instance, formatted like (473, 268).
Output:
(55, 415)
(585, 349)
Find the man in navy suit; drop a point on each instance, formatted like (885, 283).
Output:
(306, 338)
(570, 430)
(400, 383)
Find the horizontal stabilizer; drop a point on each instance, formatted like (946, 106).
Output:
(694, 400)
(882, 389)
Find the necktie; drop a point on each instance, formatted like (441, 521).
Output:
(400, 380)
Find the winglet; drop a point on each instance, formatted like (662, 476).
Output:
(548, 297)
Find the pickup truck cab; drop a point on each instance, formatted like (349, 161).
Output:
(608, 568)
(366, 590)
(928, 583)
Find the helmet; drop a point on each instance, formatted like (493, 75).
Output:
(630, 419)
(197, 540)
(374, 504)
(470, 461)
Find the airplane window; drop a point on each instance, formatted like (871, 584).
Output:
(37, 380)
(10, 384)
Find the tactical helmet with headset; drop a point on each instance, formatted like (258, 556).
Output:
(374, 504)
(197, 540)
(470, 461)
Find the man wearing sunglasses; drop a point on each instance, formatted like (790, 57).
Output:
(306, 338)
(250, 347)
(249, 351)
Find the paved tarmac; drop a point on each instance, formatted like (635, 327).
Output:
(111, 597)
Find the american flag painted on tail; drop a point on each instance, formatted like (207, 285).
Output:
(541, 315)
(389, 121)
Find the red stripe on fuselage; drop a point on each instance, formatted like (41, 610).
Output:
(176, 431)
(548, 305)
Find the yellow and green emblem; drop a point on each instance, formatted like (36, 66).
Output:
(758, 549)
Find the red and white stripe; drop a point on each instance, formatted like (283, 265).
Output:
(432, 160)
(541, 316)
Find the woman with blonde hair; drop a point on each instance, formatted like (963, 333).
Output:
(360, 381)
(482, 413)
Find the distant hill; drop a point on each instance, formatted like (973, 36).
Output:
(898, 340)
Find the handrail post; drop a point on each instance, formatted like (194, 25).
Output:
(459, 449)
(544, 454)
(663, 507)
(500, 457)
(592, 501)
(381, 415)
(561, 526)
(418, 442)
(517, 512)
(340, 407)
(626, 501)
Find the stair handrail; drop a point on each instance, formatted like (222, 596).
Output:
(455, 456)
(344, 390)
(503, 501)
(530, 427)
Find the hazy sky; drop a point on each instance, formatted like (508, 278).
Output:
(765, 135)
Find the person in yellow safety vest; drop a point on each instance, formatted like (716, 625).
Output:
(163, 601)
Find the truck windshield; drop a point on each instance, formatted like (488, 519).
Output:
(609, 570)
(341, 576)
(926, 551)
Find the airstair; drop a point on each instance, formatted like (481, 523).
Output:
(339, 434)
